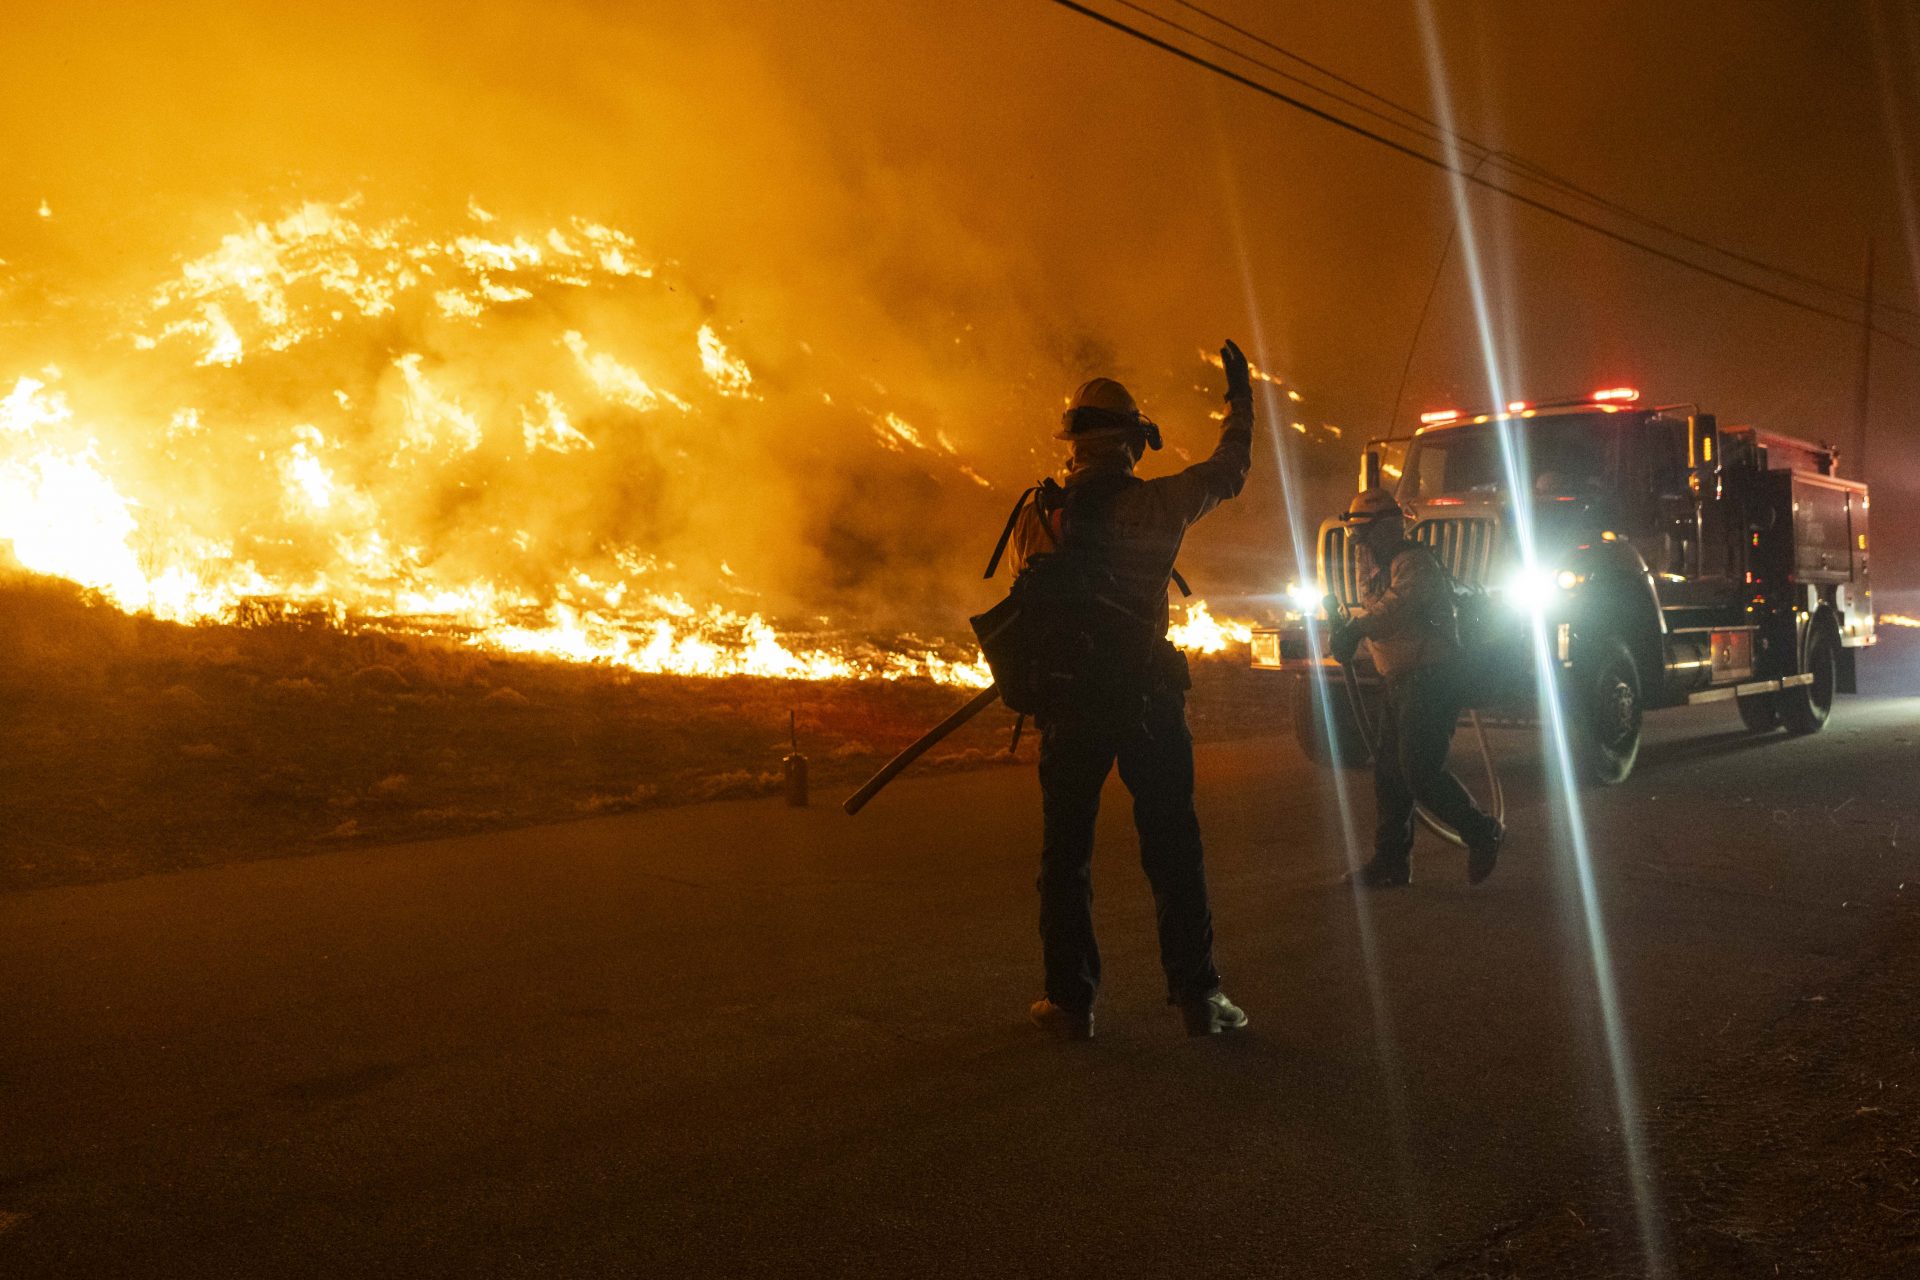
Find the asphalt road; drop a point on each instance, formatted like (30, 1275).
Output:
(739, 1039)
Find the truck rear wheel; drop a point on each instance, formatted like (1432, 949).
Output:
(1607, 712)
(1316, 703)
(1805, 707)
(1761, 712)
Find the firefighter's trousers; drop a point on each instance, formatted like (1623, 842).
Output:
(1410, 763)
(1155, 755)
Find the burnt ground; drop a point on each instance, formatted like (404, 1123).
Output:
(129, 746)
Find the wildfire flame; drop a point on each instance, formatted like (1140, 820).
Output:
(338, 506)
(1898, 620)
(1200, 632)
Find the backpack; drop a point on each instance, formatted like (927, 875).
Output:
(1067, 638)
(1445, 618)
(1491, 659)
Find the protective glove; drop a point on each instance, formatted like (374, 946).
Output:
(1239, 381)
(1343, 641)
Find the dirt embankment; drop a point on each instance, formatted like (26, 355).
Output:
(129, 745)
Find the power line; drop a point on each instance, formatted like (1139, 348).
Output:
(1518, 165)
(1435, 134)
(1329, 73)
(1414, 153)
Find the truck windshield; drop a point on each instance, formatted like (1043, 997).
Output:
(1563, 457)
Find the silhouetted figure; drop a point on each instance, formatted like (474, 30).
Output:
(1113, 709)
(1408, 623)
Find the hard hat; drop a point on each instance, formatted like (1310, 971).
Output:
(1101, 408)
(1104, 393)
(1373, 504)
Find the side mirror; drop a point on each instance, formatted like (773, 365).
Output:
(1370, 469)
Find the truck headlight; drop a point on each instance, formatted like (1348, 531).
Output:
(1304, 597)
(1537, 590)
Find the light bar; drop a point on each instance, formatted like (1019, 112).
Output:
(1439, 415)
(1618, 395)
(1518, 406)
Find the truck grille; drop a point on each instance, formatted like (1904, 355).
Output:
(1338, 568)
(1464, 544)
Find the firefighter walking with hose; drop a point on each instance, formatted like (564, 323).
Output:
(1113, 690)
(1408, 624)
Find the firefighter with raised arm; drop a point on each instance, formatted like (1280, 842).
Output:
(1408, 624)
(1122, 693)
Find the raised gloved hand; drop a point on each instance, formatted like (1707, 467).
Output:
(1239, 381)
(1343, 641)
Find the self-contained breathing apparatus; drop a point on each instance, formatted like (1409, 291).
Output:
(1067, 636)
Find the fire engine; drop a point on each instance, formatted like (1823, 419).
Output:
(1675, 561)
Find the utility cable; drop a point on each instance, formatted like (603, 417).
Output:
(1419, 326)
(1527, 169)
(1434, 134)
(1518, 165)
(1435, 162)
(1331, 74)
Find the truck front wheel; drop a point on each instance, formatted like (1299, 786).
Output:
(1805, 707)
(1324, 725)
(1607, 711)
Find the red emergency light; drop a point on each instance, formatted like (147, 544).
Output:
(1517, 406)
(1616, 395)
(1439, 416)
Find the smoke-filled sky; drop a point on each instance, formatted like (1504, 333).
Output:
(956, 213)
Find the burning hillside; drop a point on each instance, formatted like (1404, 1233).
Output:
(533, 439)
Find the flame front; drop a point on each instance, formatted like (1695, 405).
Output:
(432, 489)
(1200, 632)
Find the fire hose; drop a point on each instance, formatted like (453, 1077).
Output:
(893, 768)
(1433, 824)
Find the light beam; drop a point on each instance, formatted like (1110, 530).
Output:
(1553, 720)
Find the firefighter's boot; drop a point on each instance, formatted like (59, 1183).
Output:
(1379, 873)
(1212, 1015)
(1067, 1024)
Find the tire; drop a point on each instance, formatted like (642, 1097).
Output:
(1348, 749)
(1760, 713)
(1608, 708)
(1805, 708)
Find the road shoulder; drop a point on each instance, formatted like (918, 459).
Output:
(1797, 1157)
